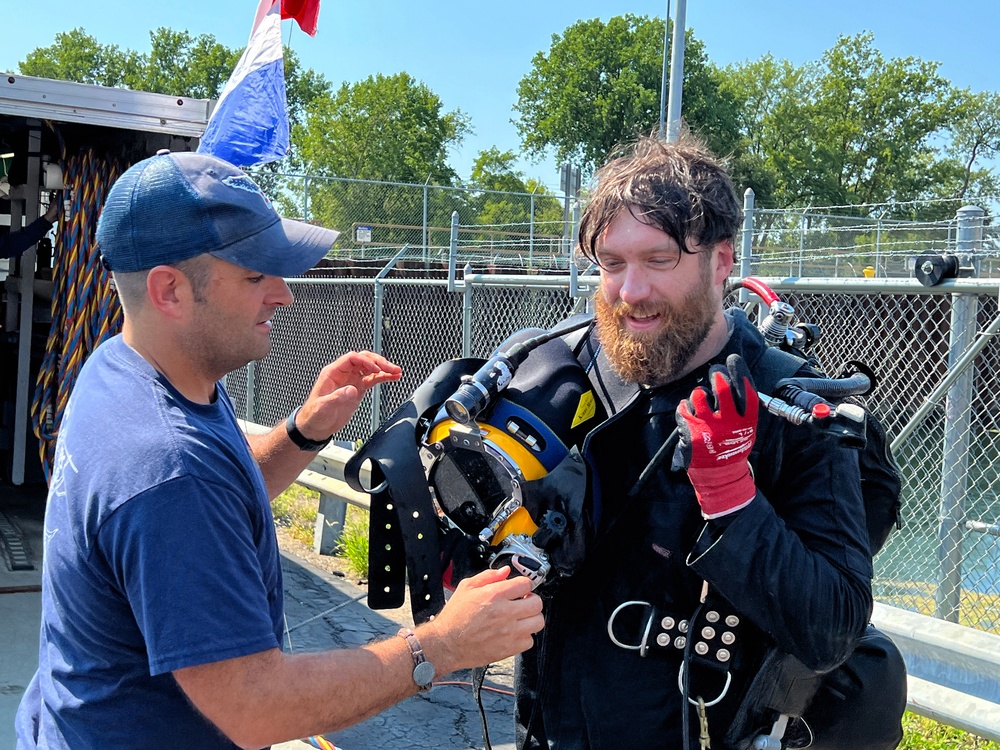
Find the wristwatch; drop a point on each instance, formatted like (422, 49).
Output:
(423, 670)
(301, 440)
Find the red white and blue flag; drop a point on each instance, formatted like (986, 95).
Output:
(250, 122)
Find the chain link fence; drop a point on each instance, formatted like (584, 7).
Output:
(500, 231)
(496, 229)
(945, 561)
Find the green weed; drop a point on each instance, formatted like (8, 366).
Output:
(926, 734)
(354, 541)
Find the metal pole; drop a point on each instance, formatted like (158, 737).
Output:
(802, 243)
(425, 217)
(27, 299)
(746, 253)
(467, 313)
(663, 74)
(574, 288)
(377, 331)
(676, 73)
(531, 230)
(878, 244)
(453, 251)
(955, 450)
(305, 198)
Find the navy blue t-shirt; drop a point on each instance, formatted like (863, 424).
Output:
(160, 553)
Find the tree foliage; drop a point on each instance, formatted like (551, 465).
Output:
(599, 85)
(390, 128)
(506, 197)
(177, 63)
(852, 129)
(382, 128)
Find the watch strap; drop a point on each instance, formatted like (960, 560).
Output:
(301, 440)
(423, 670)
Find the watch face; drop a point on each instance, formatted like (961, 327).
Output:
(423, 674)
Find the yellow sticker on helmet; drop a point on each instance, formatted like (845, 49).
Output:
(586, 409)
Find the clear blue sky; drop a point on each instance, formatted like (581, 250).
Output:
(472, 54)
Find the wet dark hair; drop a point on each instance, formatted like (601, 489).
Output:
(678, 187)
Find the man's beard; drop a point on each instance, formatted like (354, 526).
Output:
(662, 355)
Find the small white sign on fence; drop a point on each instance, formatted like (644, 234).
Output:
(363, 234)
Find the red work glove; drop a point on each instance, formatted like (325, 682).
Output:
(718, 425)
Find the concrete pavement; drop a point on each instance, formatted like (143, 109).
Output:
(322, 612)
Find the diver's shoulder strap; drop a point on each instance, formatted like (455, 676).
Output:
(576, 336)
(773, 365)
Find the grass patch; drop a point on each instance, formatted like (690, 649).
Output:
(295, 509)
(354, 541)
(926, 734)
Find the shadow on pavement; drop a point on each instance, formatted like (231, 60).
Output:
(445, 718)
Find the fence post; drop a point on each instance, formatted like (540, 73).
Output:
(957, 424)
(377, 332)
(746, 253)
(425, 218)
(251, 392)
(305, 198)
(531, 230)
(802, 244)
(453, 251)
(878, 245)
(467, 313)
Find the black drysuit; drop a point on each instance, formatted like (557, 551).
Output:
(793, 566)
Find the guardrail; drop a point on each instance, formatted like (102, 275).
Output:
(325, 475)
(953, 671)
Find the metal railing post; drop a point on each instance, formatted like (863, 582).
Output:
(453, 251)
(252, 391)
(574, 272)
(878, 246)
(746, 252)
(425, 218)
(305, 198)
(802, 244)
(531, 230)
(377, 332)
(467, 312)
(955, 447)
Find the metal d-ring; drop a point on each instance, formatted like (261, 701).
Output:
(642, 646)
(680, 686)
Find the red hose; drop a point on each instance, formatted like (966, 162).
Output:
(759, 288)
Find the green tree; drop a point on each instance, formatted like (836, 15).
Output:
(772, 97)
(77, 56)
(599, 85)
(853, 128)
(390, 128)
(383, 128)
(874, 121)
(178, 64)
(510, 203)
(975, 140)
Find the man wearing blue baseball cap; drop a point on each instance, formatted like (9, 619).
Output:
(162, 601)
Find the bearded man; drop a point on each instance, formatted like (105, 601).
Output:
(751, 541)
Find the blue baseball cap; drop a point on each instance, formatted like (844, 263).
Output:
(174, 206)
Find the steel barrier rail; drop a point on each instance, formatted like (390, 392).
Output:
(953, 671)
(325, 475)
(881, 285)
